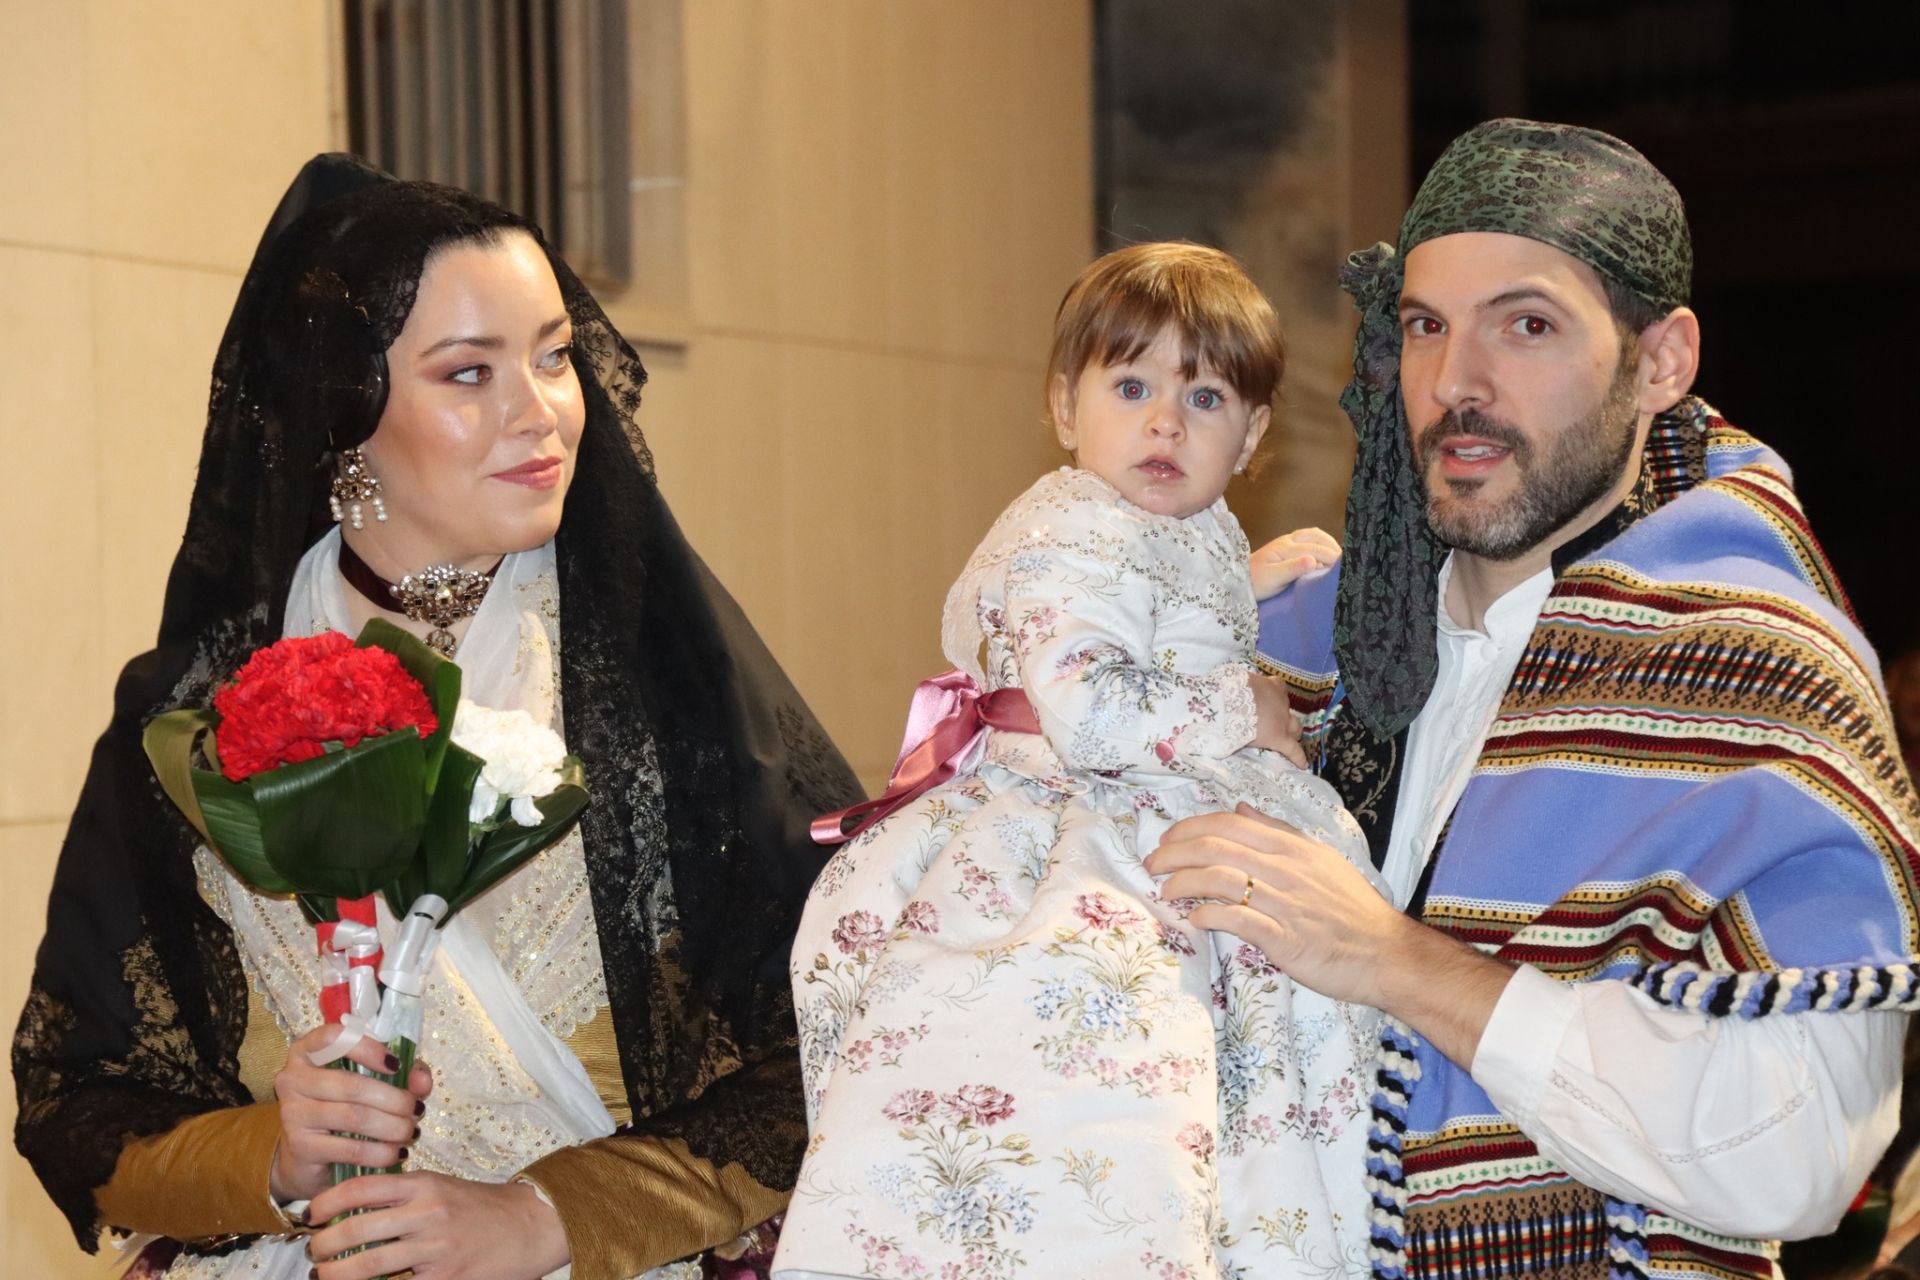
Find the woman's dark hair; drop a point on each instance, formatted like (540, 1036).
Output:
(334, 290)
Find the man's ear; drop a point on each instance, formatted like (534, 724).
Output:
(1060, 403)
(1669, 351)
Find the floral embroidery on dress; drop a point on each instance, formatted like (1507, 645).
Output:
(1018, 1059)
(1108, 998)
(958, 1183)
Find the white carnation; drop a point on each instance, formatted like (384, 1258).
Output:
(523, 760)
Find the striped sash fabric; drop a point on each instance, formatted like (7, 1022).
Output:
(1695, 735)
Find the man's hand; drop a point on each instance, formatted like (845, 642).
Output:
(1275, 566)
(1317, 918)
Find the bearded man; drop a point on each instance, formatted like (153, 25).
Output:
(1621, 752)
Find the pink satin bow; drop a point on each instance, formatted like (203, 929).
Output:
(948, 716)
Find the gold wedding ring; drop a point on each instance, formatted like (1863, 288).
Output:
(1247, 896)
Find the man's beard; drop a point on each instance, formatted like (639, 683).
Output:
(1578, 465)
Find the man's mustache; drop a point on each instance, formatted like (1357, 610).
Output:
(1469, 423)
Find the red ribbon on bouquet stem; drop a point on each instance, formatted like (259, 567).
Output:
(336, 991)
(949, 714)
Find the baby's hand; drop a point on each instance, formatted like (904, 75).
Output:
(1275, 726)
(1287, 557)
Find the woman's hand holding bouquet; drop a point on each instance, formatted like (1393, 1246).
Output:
(333, 770)
(332, 1120)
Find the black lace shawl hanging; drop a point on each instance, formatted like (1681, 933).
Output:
(704, 762)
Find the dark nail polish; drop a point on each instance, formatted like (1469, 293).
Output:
(419, 1107)
(416, 1133)
(393, 1063)
(403, 1155)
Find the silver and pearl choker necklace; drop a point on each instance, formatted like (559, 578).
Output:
(439, 595)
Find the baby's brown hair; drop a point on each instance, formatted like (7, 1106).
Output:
(1122, 301)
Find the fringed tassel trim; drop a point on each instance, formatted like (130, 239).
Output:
(1627, 1257)
(1679, 985)
(1398, 1071)
(1684, 985)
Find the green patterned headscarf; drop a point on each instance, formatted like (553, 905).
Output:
(1583, 192)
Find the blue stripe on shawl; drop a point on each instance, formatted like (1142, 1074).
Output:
(1527, 838)
(1296, 626)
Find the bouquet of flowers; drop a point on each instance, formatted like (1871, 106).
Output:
(333, 769)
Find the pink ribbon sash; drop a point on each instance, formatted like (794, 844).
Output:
(948, 716)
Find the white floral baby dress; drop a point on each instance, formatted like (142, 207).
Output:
(1019, 1061)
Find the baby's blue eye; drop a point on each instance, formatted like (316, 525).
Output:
(1132, 389)
(1206, 398)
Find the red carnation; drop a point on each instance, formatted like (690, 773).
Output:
(299, 694)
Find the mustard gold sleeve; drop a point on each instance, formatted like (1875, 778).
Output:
(631, 1204)
(206, 1176)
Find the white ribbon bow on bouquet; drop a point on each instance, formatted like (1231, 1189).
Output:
(403, 972)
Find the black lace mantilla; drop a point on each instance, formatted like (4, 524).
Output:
(705, 764)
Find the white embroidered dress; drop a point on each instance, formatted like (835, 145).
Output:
(516, 971)
(1018, 1060)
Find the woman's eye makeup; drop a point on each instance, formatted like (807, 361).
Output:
(557, 360)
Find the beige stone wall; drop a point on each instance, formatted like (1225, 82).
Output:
(140, 151)
(884, 201)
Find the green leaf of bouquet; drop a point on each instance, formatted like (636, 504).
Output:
(501, 852)
(234, 831)
(438, 675)
(446, 844)
(411, 881)
(168, 741)
(349, 821)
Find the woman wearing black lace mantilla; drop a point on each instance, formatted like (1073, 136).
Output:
(613, 1083)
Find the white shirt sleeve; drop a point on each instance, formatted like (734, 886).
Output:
(1760, 1128)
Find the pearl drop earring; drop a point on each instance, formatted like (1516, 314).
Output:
(354, 485)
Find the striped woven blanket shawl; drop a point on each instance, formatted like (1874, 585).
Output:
(1695, 737)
